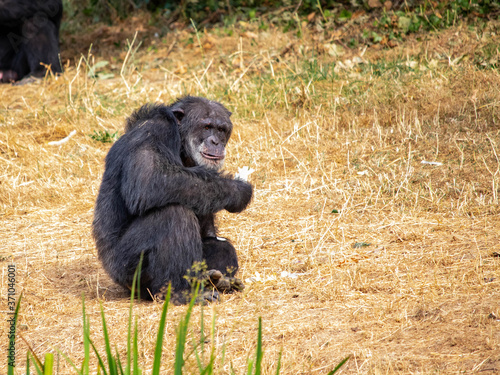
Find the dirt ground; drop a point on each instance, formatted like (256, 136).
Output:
(374, 227)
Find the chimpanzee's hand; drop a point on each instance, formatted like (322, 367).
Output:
(241, 194)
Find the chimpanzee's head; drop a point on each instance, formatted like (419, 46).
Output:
(205, 129)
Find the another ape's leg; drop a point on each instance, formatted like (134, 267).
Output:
(7, 76)
(41, 46)
(6, 56)
(170, 239)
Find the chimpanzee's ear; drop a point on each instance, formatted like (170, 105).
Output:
(229, 113)
(179, 113)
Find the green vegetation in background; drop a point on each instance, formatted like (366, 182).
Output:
(104, 136)
(411, 15)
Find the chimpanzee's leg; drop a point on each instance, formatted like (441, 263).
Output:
(219, 254)
(170, 239)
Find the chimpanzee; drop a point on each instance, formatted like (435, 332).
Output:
(160, 190)
(29, 38)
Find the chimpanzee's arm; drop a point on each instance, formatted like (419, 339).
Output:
(207, 226)
(149, 181)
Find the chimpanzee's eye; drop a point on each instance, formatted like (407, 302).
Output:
(207, 127)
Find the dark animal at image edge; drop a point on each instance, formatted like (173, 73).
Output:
(160, 190)
(29, 38)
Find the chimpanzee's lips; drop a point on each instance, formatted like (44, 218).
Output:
(212, 157)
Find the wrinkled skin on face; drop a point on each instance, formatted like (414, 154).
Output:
(205, 128)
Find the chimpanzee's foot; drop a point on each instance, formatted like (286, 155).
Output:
(225, 284)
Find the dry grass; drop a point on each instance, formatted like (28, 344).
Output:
(423, 297)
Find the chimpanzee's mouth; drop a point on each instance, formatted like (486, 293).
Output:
(212, 157)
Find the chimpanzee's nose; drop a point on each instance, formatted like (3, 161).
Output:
(213, 140)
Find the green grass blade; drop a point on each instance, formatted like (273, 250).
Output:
(250, 367)
(278, 367)
(70, 362)
(136, 370)
(10, 369)
(36, 360)
(129, 333)
(111, 359)
(38, 364)
(119, 362)
(260, 353)
(223, 356)
(210, 367)
(206, 369)
(86, 345)
(38, 367)
(99, 358)
(198, 360)
(27, 363)
(200, 357)
(159, 337)
(339, 366)
(48, 366)
(182, 334)
(202, 335)
(131, 309)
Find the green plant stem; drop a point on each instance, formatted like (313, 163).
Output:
(48, 366)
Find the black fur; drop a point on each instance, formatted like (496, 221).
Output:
(29, 36)
(154, 200)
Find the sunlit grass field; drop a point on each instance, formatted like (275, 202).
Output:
(374, 228)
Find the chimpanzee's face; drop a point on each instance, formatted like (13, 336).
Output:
(205, 129)
(207, 146)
